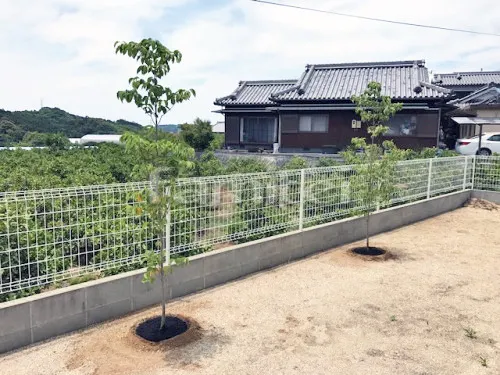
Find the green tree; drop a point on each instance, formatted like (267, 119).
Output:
(158, 206)
(57, 142)
(165, 158)
(198, 134)
(34, 139)
(217, 143)
(372, 182)
(9, 132)
(146, 90)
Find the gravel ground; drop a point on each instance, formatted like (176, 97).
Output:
(333, 313)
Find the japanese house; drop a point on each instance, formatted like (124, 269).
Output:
(477, 103)
(465, 83)
(479, 111)
(315, 113)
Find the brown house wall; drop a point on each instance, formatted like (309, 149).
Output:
(340, 133)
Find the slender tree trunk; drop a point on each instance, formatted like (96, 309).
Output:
(161, 245)
(156, 128)
(162, 240)
(165, 254)
(367, 230)
(370, 199)
(163, 296)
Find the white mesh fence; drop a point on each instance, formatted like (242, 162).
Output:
(61, 233)
(48, 235)
(487, 173)
(233, 208)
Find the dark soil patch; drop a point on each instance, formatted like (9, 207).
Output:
(372, 253)
(191, 334)
(149, 329)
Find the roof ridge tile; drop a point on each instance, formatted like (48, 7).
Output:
(367, 64)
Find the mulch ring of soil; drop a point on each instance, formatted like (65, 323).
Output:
(180, 331)
(372, 253)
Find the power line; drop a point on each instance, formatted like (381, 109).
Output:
(375, 19)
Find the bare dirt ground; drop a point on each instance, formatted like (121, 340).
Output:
(333, 313)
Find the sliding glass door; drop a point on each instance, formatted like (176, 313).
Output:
(258, 130)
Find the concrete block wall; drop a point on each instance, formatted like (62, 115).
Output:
(36, 318)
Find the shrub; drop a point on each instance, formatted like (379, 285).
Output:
(296, 162)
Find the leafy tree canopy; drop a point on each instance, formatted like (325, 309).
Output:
(146, 90)
(375, 109)
(198, 135)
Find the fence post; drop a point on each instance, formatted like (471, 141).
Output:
(377, 206)
(474, 158)
(301, 204)
(166, 240)
(429, 179)
(465, 172)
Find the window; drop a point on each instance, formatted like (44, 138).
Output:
(402, 126)
(314, 123)
(258, 130)
(494, 138)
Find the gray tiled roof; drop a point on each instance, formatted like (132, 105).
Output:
(255, 92)
(467, 78)
(488, 95)
(341, 81)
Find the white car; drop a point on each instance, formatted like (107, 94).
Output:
(490, 143)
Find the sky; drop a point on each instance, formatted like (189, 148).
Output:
(59, 53)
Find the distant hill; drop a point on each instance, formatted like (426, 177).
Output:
(17, 126)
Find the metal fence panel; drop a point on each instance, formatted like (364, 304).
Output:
(487, 173)
(54, 234)
(451, 174)
(227, 209)
(48, 235)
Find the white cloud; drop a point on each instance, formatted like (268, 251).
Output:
(62, 50)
